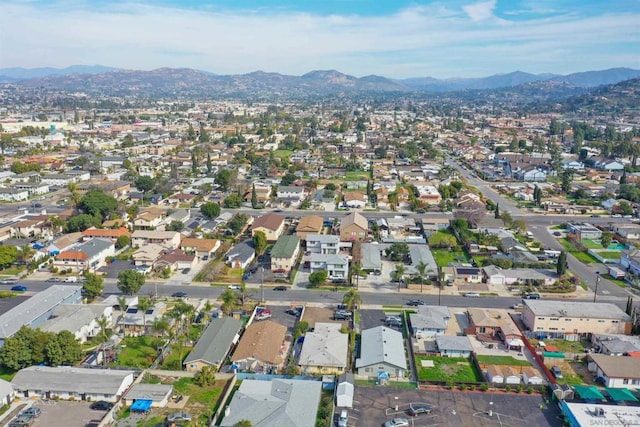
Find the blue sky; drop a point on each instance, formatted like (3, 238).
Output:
(393, 38)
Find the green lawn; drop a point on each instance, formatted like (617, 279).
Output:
(7, 374)
(173, 361)
(137, 352)
(444, 257)
(564, 346)
(357, 176)
(502, 360)
(570, 379)
(436, 238)
(457, 369)
(618, 282)
(610, 254)
(580, 256)
(204, 395)
(283, 154)
(591, 244)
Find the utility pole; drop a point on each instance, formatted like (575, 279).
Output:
(262, 283)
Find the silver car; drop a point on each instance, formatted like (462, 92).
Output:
(397, 422)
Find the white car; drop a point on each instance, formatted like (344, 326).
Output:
(472, 295)
(236, 287)
(397, 422)
(262, 316)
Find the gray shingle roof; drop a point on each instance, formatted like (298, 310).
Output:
(382, 344)
(325, 346)
(70, 379)
(453, 343)
(430, 317)
(595, 310)
(94, 246)
(215, 341)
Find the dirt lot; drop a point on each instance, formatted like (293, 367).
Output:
(374, 406)
(316, 314)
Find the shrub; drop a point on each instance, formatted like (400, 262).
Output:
(484, 387)
(519, 389)
(507, 388)
(529, 390)
(472, 387)
(463, 387)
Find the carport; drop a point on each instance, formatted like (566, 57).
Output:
(588, 392)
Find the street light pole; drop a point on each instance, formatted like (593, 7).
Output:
(262, 283)
(595, 293)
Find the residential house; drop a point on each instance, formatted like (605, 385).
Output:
(336, 266)
(324, 350)
(167, 239)
(70, 382)
(429, 194)
(200, 247)
(158, 394)
(353, 227)
(381, 351)
(34, 188)
(271, 224)
(584, 230)
(279, 402)
(627, 231)
(494, 275)
(465, 275)
(37, 309)
(150, 219)
(616, 371)
(429, 321)
(615, 344)
(309, 225)
(355, 199)
(79, 319)
(105, 233)
(328, 244)
(33, 227)
(241, 255)
(290, 194)
(609, 165)
(284, 254)
(148, 255)
(433, 225)
(630, 261)
(531, 173)
(176, 259)
(489, 324)
(573, 320)
(88, 256)
(371, 258)
(13, 195)
(136, 322)
(262, 348)
(214, 344)
(453, 346)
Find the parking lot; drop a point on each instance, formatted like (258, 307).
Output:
(65, 414)
(375, 406)
(371, 319)
(279, 315)
(317, 314)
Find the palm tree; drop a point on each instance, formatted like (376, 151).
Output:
(399, 273)
(421, 267)
(229, 299)
(160, 325)
(57, 224)
(351, 299)
(144, 304)
(243, 292)
(75, 195)
(102, 323)
(356, 270)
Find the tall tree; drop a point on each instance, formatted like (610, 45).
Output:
(130, 281)
(210, 210)
(144, 304)
(145, 183)
(421, 267)
(351, 299)
(93, 285)
(254, 197)
(259, 242)
(496, 213)
(209, 164)
(562, 264)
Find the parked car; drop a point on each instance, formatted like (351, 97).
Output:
(395, 322)
(262, 316)
(397, 422)
(294, 311)
(416, 409)
(280, 288)
(22, 421)
(415, 302)
(339, 281)
(179, 416)
(556, 372)
(31, 412)
(186, 271)
(517, 306)
(179, 294)
(8, 281)
(342, 315)
(532, 296)
(557, 233)
(205, 257)
(343, 419)
(53, 279)
(19, 288)
(101, 405)
(472, 295)
(235, 287)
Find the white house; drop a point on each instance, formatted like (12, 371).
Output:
(7, 393)
(13, 195)
(79, 319)
(381, 351)
(616, 371)
(323, 243)
(336, 266)
(429, 321)
(66, 382)
(324, 350)
(453, 346)
(531, 174)
(89, 255)
(290, 193)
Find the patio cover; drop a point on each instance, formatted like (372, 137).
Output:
(588, 392)
(621, 395)
(553, 354)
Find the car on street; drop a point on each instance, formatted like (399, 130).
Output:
(416, 409)
(280, 288)
(179, 294)
(557, 233)
(517, 306)
(8, 281)
(472, 295)
(186, 271)
(101, 405)
(53, 279)
(31, 412)
(393, 322)
(531, 296)
(179, 416)
(19, 288)
(234, 287)
(397, 422)
(415, 302)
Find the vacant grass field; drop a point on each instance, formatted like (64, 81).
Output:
(204, 395)
(502, 360)
(357, 176)
(444, 257)
(176, 356)
(436, 238)
(591, 244)
(283, 154)
(457, 369)
(564, 346)
(581, 256)
(611, 254)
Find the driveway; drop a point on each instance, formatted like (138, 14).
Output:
(371, 319)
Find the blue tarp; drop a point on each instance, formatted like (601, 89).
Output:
(141, 405)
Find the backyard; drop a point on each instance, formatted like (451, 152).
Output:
(444, 257)
(501, 360)
(456, 369)
(580, 255)
(137, 352)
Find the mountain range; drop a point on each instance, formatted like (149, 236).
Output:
(103, 80)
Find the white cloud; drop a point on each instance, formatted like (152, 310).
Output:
(480, 11)
(419, 41)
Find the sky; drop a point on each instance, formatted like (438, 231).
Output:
(392, 38)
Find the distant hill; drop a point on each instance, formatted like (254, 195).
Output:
(171, 82)
(610, 98)
(34, 73)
